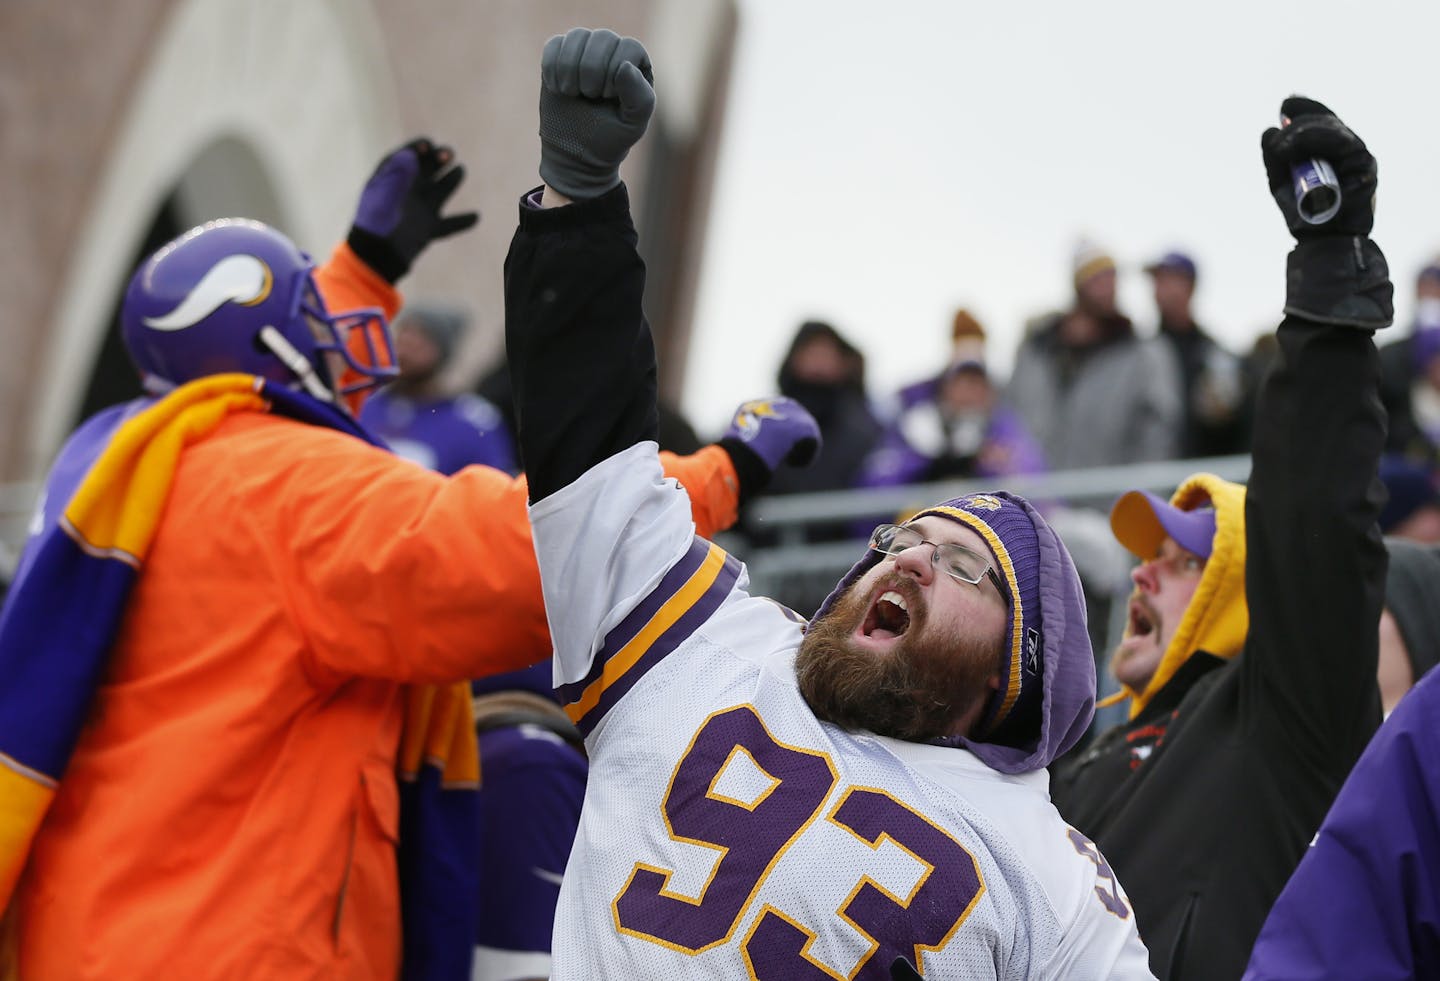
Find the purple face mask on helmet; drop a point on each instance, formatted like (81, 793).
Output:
(237, 296)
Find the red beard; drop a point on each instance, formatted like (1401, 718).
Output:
(918, 690)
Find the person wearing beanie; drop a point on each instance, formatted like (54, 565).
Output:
(1090, 390)
(1250, 655)
(1363, 901)
(953, 425)
(418, 418)
(854, 794)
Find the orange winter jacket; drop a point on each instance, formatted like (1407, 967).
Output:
(230, 810)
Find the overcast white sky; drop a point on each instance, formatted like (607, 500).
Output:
(886, 162)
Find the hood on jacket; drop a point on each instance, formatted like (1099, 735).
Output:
(1046, 697)
(1412, 595)
(1217, 619)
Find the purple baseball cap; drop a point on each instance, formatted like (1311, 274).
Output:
(1173, 262)
(1141, 520)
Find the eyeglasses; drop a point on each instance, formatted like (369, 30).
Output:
(956, 561)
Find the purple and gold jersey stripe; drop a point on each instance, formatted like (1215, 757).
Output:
(627, 628)
(685, 598)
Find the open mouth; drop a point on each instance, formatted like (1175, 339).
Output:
(1142, 624)
(889, 617)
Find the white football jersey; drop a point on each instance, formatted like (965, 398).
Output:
(727, 833)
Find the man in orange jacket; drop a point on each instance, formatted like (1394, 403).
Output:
(203, 652)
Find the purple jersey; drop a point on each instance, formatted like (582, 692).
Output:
(442, 434)
(1365, 900)
(532, 784)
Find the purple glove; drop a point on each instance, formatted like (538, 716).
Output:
(399, 210)
(777, 430)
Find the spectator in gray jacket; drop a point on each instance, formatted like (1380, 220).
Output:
(1088, 387)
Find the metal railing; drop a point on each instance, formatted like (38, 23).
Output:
(786, 519)
(1094, 485)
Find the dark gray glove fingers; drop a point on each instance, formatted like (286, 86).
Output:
(567, 65)
(637, 97)
(549, 62)
(595, 61)
(634, 52)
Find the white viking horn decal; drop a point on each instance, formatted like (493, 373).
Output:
(241, 278)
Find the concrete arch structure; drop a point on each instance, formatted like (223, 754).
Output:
(267, 108)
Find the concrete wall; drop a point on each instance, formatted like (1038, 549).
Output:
(277, 109)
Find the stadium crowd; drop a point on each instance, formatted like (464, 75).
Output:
(464, 690)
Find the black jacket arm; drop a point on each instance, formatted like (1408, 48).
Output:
(581, 356)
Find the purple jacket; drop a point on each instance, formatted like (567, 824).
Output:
(1005, 447)
(1365, 900)
(442, 434)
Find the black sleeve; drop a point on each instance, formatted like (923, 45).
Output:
(581, 356)
(1315, 562)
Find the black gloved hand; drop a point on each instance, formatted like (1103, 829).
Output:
(596, 97)
(1315, 132)
(1335, 273)
(399, 210)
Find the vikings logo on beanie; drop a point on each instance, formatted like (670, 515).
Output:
(1012, 716)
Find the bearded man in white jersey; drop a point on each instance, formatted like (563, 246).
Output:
(770, 798)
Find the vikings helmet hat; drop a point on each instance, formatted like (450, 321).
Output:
(235, 295)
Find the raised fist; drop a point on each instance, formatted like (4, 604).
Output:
(596, 97)
(1316, 133)
(1335, 274)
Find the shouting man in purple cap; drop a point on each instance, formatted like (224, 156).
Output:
(1249, 659)
(771, 798)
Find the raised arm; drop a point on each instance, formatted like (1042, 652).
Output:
(397, 217)
(1315, 565)
(580, 351)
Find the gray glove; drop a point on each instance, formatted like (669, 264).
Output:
(596, 97)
